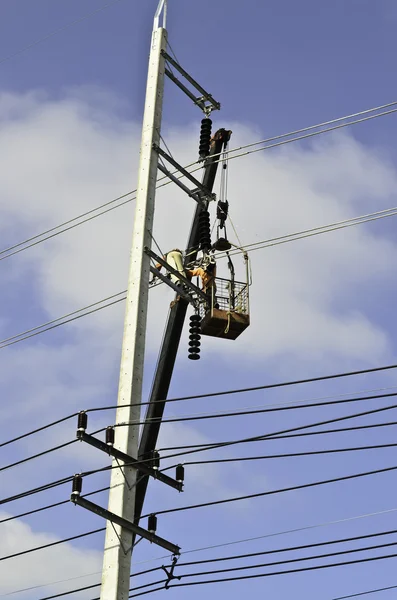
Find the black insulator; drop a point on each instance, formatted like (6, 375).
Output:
(204, 229)
(152, 523)
(155, 460)
(205, 138)
(194, 337)
(82, 421)
(77, 485)
(109, 436)
(194, 344)
(180, 473)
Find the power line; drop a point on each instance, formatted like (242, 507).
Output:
(306, 233)
(255, 411)
(168, 182)
(42, 428)
(33, 456)
(254, 554)
(51, 544)
(280, 433)
(265, 438)
(292, 549)
(311, 127)
(285, 572)
(310, 135)
(53, 423)
(61, 321)
(391, 587)
(56, 31)
(273, 492)
(286, 561)
(287, 455)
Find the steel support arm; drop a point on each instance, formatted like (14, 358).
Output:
(184, 279)
(128, 460)
(178, 182)
(184, 172)
(135, 529)
(206, 96)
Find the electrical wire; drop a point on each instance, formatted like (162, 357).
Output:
(292, 435)
(187, 167)
(287, 455)
(304, 137)
(273, 492)
(272, 574)
(299, 235)
(291, 549)
(41, 428)
(95, 585)
(51, 544)
(61, 321)
(280, 433)
(290, 402)
(59, 30)
(243, 541)
(24, 333)
(33, 456)
(255, 411)
(256, 388)
(310, 128)
(286, 561)
(384, 589)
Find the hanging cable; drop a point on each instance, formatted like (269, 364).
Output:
(278, 491)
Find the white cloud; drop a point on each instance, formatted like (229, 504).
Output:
(51, 565)
(72, 160)
(64, 157)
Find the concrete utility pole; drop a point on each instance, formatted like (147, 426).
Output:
(117, 556)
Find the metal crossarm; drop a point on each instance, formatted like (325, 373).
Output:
(205, 95)
(135, 529)
(190, 193)
(132, 462)
(184, 172)
(177, 274)
(171, 284)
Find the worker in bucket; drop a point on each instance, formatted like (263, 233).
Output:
(207, 276)
(175, 259)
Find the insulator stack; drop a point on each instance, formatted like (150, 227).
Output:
(205, 230)
(194, 338)
(180, 473)
(109, 436)
(77, 485)
(205, 138)
(152, 523)
(155, 460)
(82, 421)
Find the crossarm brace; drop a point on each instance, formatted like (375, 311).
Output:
(171, 284)
(179, 183)
(128, 460)
(184, 172)
(176, 273)
(135, 529)
(206, 96)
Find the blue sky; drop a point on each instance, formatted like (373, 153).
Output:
(70, 111)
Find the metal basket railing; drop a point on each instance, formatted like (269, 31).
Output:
(231, 296)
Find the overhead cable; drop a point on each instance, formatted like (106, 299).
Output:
(277, 491)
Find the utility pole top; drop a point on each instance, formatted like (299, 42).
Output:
(162, 8)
